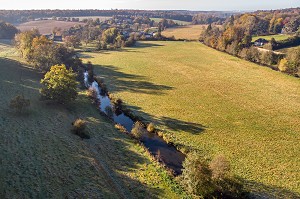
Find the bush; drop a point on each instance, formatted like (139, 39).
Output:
(109, 112)
(79, 128)
(150, 128)
(92, 93)
(220, 167)
(138, 130)
(197, 176)
(211, 180)
(19, 103)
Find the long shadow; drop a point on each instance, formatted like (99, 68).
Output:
(172, 124)
(147, 45)
(120, 81)
(260, 190)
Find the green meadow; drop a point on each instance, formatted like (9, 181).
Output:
(214, 103)
(42, 158)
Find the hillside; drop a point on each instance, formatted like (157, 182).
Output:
(42, 158)
(215, 103)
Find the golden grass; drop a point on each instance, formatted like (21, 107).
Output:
(215, 103)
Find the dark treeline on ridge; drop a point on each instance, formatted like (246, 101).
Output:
(19, 16)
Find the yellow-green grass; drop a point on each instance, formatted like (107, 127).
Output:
(182, 23)
(191, 32)
(279, 37)
(215, 103)
(41, 158)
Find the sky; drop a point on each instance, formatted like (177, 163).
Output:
(220, 5)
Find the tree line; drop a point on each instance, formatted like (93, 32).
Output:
(19, 16)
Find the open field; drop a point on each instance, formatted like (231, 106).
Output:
(269, 37)
(182, 23)
(46, 26)
(41, 158)
(215, 103)
(191, 32)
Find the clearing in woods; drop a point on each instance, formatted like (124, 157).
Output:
(216, 103)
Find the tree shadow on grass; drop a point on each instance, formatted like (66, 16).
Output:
(120, 81)
(171, 124)
(147, 45)
(260, 190)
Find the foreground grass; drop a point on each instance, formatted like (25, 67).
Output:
(269, 37)
(215, 103)
(41, 158)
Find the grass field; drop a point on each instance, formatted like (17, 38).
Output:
(269, 37)
(182, 23)
(215, 103)
(191, 32)
(46, 26)
(41, 158)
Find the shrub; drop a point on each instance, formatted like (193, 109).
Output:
(92, 93)
(79, 128)
(197, 176)
(138, 130)
(59, 84)
(220, 167)
(19, 103)
(150, 128)
(109, 112)
(211, 180)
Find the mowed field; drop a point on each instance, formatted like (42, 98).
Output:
(215, 103)
(46, 26)
(41, 158)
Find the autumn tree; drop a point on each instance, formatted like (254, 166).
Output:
(59, 84)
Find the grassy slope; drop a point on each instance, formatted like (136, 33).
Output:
(248, 112)
(269, 37)
(191, 32)
(41, 158)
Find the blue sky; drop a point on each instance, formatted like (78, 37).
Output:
(150, 4)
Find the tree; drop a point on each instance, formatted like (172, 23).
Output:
(72, 41)
(59, 84)
(23, 42)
